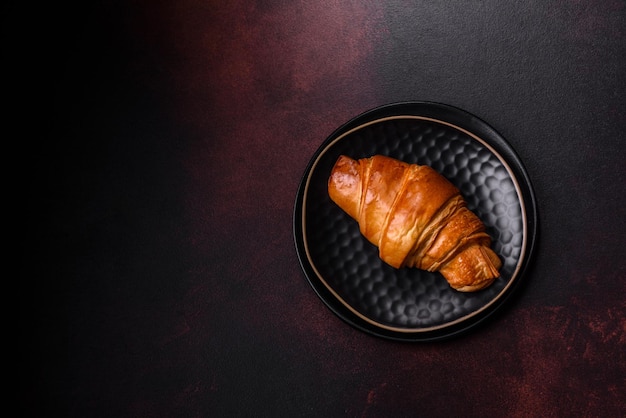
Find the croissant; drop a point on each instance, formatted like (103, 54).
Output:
(416, 218)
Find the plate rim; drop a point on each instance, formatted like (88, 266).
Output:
(495, 143)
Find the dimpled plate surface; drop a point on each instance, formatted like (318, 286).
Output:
(408, 303)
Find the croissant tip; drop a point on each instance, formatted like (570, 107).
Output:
(473, 269)
(476, 286)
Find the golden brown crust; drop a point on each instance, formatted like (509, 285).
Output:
(424, 192)
(416, 218)
(344, 186)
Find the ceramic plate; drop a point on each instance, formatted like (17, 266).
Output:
(410, 304)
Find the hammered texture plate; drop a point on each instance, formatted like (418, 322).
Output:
(408, 303)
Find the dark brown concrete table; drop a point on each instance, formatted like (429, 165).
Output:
(163, 147)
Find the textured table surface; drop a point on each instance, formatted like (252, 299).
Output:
(162, 147)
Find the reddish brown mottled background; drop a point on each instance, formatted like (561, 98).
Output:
(164, 145)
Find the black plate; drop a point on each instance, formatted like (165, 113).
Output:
(410, 304)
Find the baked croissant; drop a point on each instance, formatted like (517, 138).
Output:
(416, 218)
